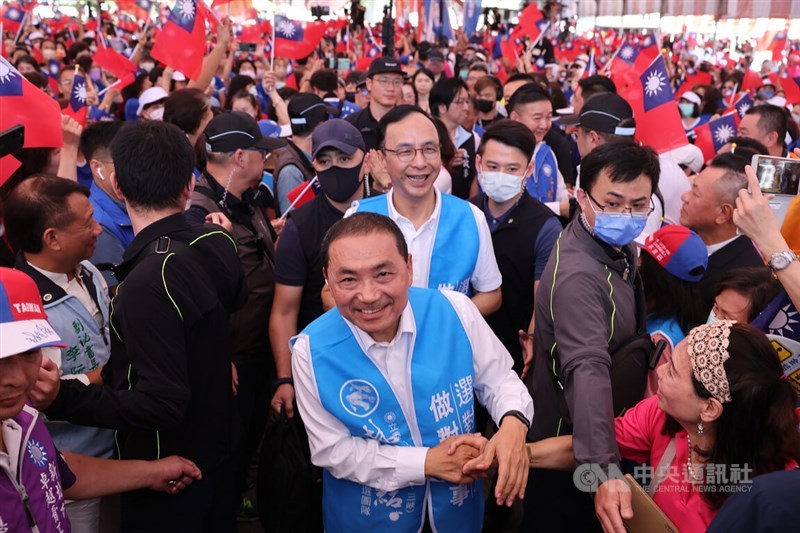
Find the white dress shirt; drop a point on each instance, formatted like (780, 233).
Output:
(384, 466)
(486, 276)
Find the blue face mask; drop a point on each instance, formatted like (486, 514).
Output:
(767, 94)
(618, 229)
(687, 109)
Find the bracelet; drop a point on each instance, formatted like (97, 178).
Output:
(283, 381)
(518, 415)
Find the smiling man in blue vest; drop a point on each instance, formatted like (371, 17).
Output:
(448, 237)
(387, 377)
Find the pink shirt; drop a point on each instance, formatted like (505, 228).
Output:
(640, 438)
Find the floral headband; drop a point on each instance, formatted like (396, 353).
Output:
(708, 351)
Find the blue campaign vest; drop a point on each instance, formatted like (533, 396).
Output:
(455, 246)
(543, 183)
(357, 393)
(87, 347)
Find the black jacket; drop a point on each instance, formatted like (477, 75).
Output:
(167, 386)
(739, 253)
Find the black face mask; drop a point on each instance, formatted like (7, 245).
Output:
(339, 184)
(350, 97)
(484, 106)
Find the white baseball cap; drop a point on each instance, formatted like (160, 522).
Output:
(151, 96)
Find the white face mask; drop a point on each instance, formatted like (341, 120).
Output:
(712, 317)
(280, 84)
(157, 114)
(147, 67)
(500, 186)
(253, 91)
(48, 54)
(247, 73)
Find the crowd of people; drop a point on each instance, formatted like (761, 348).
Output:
(479, 296)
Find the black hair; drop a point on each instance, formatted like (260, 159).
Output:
(758, 427)
(748, 143)
(480, 67)
(98, 136)
(185, 108)
(238, 83)
(424, 70)
(361, 224)
(520, 76)
(710, 98)
(757, 284)
(153, 162)
(596, 85)
(245, 95)
(85, 62)
(511, 133)
(771, 118)
(667, 296)
(527, 94)
(623, 163)
(448, 147)
(134, 89)
(444, 92)
(26, 59)
(36, 78)
(38, 203)
(396, 114)
(325, 80)
(75, 49)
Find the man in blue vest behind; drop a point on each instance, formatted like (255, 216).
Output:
(384, 380)
(447, 237)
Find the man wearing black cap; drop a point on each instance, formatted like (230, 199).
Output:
(607, 118)
(293, 166)
(235, 150)
(384, 83)
(435, 63)
(339, 157)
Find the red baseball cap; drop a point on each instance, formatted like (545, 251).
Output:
(23, 322)
(680, 251)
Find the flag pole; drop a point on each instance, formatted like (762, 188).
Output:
(733, 95)
(611, 60)
(272, 48)
(21, 26)
(302, 193)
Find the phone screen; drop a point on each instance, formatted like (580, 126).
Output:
(247, 47)
(778, 175)
(343, 63)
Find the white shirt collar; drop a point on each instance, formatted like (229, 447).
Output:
(713, 248)
(434, 218)
(62, 280)
(406, 325)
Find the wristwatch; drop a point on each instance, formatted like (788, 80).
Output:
(781, 260)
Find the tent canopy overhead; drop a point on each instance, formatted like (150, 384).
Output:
(786, 9)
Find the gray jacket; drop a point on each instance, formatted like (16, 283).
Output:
(585, 308)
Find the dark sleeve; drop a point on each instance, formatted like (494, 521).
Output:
(108, 250)
(561, 149)
(290, 261)
(160, 396)
(585, 365)
(545, 241)
(67, 476)
(196, 215)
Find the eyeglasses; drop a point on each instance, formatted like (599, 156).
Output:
(264, 153)
(638, 212)
(406, 154)
(389, 82)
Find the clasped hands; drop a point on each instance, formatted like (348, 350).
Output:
(464, 458)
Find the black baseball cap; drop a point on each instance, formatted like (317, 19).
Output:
(385, 65)
(603, 112)
(436, 55)
(339, 134)
(235, 130)
(308, 109)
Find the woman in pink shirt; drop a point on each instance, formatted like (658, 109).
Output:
(724, 413)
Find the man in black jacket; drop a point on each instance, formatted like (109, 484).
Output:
(167, 388)
(708, 209)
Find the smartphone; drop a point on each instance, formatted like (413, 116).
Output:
(331, 62)
(343, 63)
(247, 47)
(777, 175)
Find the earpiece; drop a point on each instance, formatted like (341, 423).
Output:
(100, 173)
